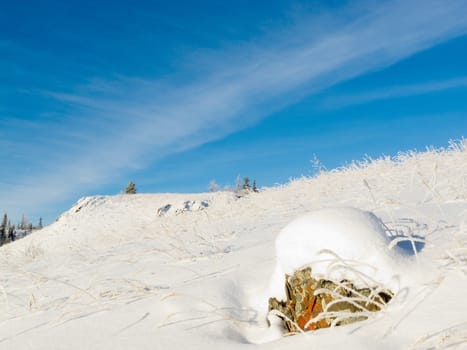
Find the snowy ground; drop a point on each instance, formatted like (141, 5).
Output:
(116, 273)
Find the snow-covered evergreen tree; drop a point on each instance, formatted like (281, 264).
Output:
(246, 183)
(238, 186)
(254, 188)
(23, 225)
(213, 186)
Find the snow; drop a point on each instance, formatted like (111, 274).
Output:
(111, 273)
(340, 243)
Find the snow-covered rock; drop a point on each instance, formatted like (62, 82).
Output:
(185, 206)
(339, 243)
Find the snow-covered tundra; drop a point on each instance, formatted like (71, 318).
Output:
(113, 274)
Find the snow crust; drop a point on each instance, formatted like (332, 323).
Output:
(111, 273)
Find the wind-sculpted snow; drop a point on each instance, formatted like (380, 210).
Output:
(112, 274)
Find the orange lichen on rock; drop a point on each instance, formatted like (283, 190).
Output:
(302, 301)
(305, 310)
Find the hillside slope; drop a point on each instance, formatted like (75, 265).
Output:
(115, 273)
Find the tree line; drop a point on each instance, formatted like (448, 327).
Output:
(241, 186)
(10, 232)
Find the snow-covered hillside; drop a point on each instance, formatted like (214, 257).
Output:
(195, 271)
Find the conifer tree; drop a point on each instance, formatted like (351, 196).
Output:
(254, 188)
(3, 230)
(3, 226)
(23, 225)
(11, 234)
(246, 183)
(40, 224)
(238, 184)
(130, 188)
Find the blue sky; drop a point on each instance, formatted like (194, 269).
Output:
(173, 94)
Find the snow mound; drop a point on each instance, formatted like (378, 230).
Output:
(339, 243)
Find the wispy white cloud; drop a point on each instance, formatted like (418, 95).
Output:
(118, 125)
(394, 92)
